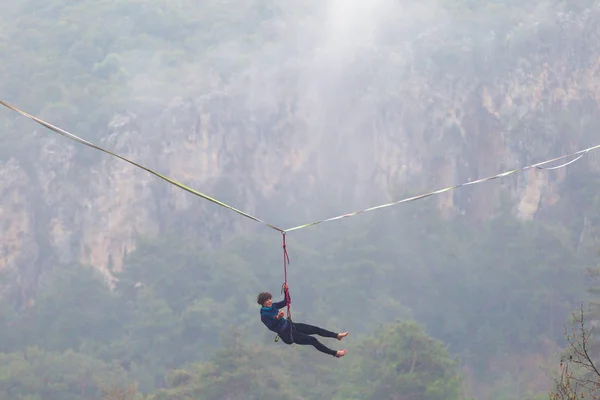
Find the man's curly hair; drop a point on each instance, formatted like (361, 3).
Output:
(262, 297)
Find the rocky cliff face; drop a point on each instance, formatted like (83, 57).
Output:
(352, 144)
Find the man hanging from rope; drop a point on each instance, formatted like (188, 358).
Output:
(294, 332)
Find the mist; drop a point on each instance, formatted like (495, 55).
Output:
(295, 112)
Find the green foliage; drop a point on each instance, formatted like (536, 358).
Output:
(237, 372)
(401, 360)
(375, 367)
(59, 323)
(37, 374)
(484, 290)
(175, 301)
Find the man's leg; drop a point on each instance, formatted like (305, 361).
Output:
(303, 339)
(315, 330)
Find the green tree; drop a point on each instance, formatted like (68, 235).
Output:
(74, 305)
(238, 371)
(400, 360)
(35, 374)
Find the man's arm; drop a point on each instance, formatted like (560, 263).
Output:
(270, 320)
(282, 303)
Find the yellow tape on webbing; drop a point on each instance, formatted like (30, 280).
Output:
(581, 153)
(171, 181)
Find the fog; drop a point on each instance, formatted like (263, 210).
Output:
(295, 112)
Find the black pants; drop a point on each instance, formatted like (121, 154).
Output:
(300, 334)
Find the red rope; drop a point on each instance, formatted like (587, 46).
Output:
(286, 261)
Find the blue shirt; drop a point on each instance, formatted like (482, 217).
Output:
(268, 316)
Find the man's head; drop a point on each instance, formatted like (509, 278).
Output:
(265, 299)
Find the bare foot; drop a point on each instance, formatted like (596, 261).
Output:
(340, 336)
(340, 353)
